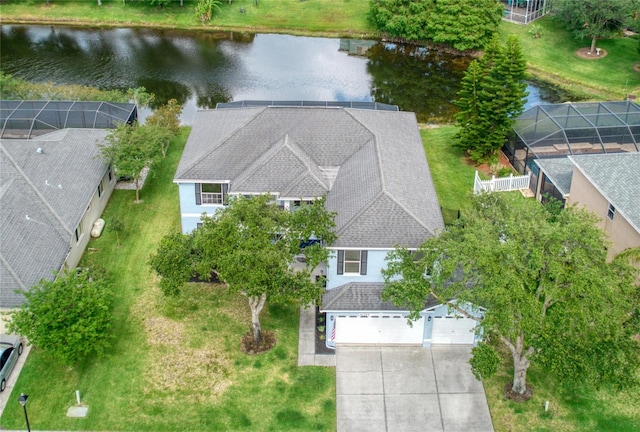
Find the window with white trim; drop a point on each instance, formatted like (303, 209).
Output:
(611, 212)
(212, 193)
(100, 190)
(110, 172)
(352, 262)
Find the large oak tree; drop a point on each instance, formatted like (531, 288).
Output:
(550, 294)
(251, 245)
(596, 19)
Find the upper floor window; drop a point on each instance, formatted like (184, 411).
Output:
(110, 172)
(100, 190)
(212, 193)
(352, 262)
(611, 212)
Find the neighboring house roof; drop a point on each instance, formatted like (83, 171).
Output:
(29, 119)
(46, 185)
(559, 171)
(617, 177)
(362, 296)
(370, 164)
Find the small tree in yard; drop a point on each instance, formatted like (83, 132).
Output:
(549, 293)
(167, 121)
(69, 317)
(595, 19)
(131, 149)
(490, 99)
(116, 225)
(250, 244)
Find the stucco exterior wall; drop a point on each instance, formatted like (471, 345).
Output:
(190, 212)
(620, 231)
(376, 261)
(94, 210)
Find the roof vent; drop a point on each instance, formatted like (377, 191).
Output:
(40, 150)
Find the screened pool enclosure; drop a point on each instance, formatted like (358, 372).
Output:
(557, 130)
(28, 119)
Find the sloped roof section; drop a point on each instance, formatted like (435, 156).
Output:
(361, 296)
(46, 185)
(617, 177)
(370, 164)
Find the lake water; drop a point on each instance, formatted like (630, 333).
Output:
(201, 69)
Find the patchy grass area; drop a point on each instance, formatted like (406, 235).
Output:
(553, 58)
(329, 17)
(571, 409)
(175, 364)
(453, 178)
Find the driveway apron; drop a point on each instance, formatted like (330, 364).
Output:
(387, 388)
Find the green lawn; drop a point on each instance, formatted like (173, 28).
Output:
(330, 17)
(452, 177)
(553, 58)
(571, 409)
(176, 364)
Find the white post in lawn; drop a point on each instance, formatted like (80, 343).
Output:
(78, 396)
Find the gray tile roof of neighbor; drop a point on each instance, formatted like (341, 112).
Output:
(370, 165)
(43, 196)
(361, 296)
(559, 171)
(617, 177)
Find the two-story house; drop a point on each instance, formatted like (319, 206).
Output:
(371, 166)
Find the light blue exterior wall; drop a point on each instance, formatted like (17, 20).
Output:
(190, 212)
(376, 261)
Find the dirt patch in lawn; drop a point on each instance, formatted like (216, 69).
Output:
(587, 54)
(487, 169)
(174, 365)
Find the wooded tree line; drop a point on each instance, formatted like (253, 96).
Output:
(461, 24)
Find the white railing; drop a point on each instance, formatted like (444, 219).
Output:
(502, 184)
(211, 198)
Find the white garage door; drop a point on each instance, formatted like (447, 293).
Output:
(378, 329)
(453, 330)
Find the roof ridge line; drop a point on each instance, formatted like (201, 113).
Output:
(13, 273)
(361, 211)
(293, 147)
(205, 154)
(37, 192)
(343, 289)
(409, 212)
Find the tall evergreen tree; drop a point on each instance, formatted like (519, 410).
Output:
(491, 98)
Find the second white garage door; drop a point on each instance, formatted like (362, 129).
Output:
(453, 330)
(378, 329)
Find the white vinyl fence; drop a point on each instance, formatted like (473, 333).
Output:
(502, 184)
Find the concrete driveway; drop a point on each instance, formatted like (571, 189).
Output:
(409, 389)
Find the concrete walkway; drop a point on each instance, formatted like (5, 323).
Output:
(307, 342)
(396, 388)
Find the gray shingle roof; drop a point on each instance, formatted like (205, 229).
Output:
(617, 177)
(559, 171)
(361, 296)
(370, 164)
(43, 197)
